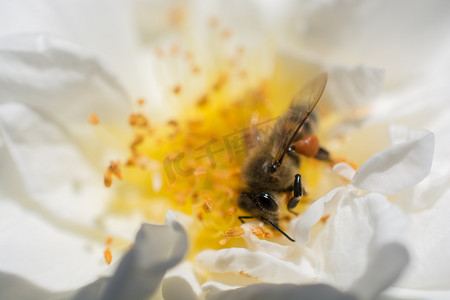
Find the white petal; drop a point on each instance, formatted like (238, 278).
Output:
(399, 167)
(301, 226)
(103, 28)
(384, 268)
(256, 264)
(256, 244)
(356, 231)
(429, 241)
(349, 88)
(55, 86)
(158, 18)
(181, 283)
(416, 294)
(39, 250)
(281, 291)
(164, 72)
(345, 170)
(122, 226)
(402, 134)
(44, 170)
(408, 108)
(216, 286)
(354, 31)
(16, 288)
(62, 82)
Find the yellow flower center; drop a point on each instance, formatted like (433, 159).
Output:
(192, 163)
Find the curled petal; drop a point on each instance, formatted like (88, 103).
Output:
(429, 241)
(302, 226)
(157, 249)
(252, 264)
(359, 228)
(344, 170)
(177, 287)
(216, 286)
(401, 134)
(399, 167)
(181, 283)
(385, 267)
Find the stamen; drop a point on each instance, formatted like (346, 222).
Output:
(243, 74)
(174, 50)
(202, 101)
(240, 50)
(196, 69)
(114, 169)
(235, 231)
(109, 241)
(141, 101)
(159, 52)
(213, 22)
(177, 89)
(108, 255)
(199, 172)
(226, 33)
(189, 55)
(138, 139)
(138, 120)
(232, 232)
(261, 232)
(208, 206)
(221, 81)
(176, 16)
(107, 178)
(93, 119)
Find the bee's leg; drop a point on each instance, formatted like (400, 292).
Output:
(298, 192)
(241, 218)
(274, 225)
(323, 155)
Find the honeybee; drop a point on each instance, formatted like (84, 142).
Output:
(271, 167)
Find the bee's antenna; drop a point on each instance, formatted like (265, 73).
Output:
(277, 228)
(241, 218)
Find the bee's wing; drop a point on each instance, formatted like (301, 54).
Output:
(289, 124)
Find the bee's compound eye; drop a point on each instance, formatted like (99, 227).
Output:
(266, 201)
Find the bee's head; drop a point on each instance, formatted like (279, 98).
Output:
(258, 203)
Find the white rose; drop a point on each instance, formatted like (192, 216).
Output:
(387, 230)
